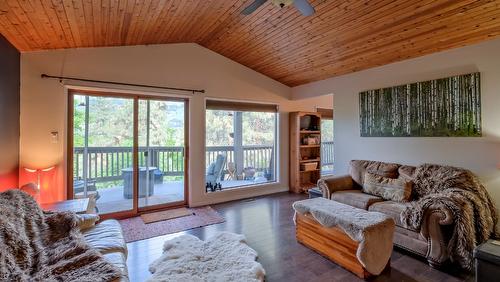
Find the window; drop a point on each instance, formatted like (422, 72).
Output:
(327, 141)
(240, 144)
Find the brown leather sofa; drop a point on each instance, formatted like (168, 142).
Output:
(107, 238)
(430, 241)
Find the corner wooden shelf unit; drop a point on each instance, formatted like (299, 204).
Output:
(305, 150)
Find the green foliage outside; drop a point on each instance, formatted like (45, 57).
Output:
(219, 126)
(326, 130)
(111, 122)
(111, 126)
(257, 128)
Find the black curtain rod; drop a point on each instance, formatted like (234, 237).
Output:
(123, 83)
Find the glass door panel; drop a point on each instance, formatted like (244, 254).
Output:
(326, 146)
(103, 138)
(161, 152)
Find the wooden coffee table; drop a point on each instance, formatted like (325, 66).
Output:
(76, 205)
(338, 246)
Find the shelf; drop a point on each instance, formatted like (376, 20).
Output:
(307, 186)
(305, 129)
(309, 160)
(304, 171)
(310, 146)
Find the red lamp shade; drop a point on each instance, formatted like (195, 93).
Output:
(39, 183)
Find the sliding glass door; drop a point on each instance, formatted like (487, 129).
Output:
(102, 149)
(108, 132)
(161, 152)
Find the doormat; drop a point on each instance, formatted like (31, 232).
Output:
(135, 229)
(165, 215)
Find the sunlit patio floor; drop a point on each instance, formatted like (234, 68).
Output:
(112, 199)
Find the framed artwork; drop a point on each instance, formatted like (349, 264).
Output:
(441, 107)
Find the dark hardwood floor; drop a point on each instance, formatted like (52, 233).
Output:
(268, 225)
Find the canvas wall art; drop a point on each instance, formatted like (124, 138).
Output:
(442, 107)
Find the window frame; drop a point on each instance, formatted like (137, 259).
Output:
(246, 106)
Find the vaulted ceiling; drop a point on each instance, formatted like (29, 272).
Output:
(342, 36)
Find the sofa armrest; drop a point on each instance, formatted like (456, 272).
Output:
(434, 222)
(333, 184)
(435, 216)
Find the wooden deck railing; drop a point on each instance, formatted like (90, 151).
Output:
(256, 156)
(327, 153)
(106, 163)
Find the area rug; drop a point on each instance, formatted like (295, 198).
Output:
(224, 257)
(135, 229)
(165, 215)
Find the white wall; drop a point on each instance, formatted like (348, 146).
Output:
(480, 155)
(44, 102)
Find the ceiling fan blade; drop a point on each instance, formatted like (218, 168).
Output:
(252, 7)
(304, 7)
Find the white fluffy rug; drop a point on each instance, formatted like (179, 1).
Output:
(224, 257)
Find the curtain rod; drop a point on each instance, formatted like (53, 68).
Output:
(123, 83)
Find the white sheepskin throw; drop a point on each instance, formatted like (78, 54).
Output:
(224, 257)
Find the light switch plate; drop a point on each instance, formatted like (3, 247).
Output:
(54, 136)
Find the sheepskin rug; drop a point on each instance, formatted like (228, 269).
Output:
(224, 257)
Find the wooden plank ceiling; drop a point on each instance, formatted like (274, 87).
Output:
(342, 36)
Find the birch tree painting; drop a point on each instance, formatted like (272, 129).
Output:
(442, 107)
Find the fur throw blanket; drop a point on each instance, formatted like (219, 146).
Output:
(459, 191)
(35, 246)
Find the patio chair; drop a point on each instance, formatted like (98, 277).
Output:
(78, 187)
(92, 193)
(269, 172)
(214, 171)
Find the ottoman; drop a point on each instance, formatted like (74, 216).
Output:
(356, 239)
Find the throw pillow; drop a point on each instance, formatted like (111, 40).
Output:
(358, 168)
(398, 190)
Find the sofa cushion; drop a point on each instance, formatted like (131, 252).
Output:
(106, 237)
(355, 198)
(398, 190)
(392, 209)
(414, 234)
(119, 260)
(358, 168)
